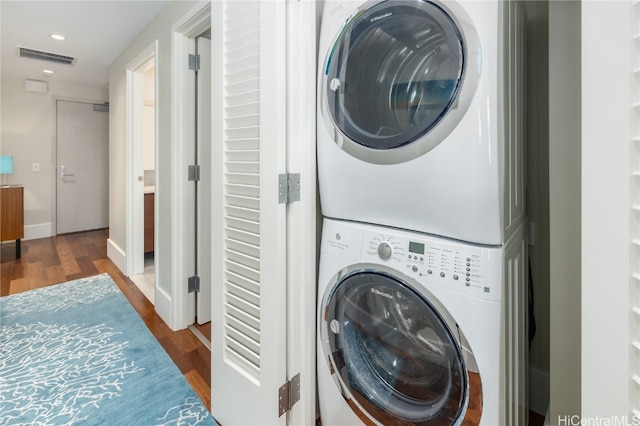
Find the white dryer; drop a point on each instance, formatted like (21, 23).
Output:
(412, 329)
(420, 122)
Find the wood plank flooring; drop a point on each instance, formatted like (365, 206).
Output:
(49, 261)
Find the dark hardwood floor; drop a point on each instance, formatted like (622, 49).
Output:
(49, 261)
(535, 419)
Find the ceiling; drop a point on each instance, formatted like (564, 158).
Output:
(96, 33)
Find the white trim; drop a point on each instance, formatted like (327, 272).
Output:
(132, 193)
(39, 230)
(605, 324)
(116, 255)
(302, 215)
(194, 23)
(163, 303)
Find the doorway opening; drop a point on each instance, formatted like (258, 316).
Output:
(141, 182)
(146, 281)
(191, 173)
(201, 326)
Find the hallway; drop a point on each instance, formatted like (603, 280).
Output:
(49, 261)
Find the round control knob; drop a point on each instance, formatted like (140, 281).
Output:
(385, 250)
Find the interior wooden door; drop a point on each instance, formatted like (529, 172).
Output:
(249, 324)
(82, 156)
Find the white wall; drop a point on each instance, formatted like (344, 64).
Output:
(564, 208)
(28, 133)
(606, 215)
(159, 29)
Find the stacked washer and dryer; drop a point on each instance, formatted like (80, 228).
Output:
(422, 276)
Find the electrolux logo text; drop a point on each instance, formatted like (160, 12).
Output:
(377, 18)
(575, 420)
(380, 293)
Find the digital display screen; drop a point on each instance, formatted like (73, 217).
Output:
(416, 247)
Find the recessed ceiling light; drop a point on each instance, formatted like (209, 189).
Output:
(58, 37)
(47, 71)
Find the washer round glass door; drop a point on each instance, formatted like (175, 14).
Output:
(399, 73)
(393, 353)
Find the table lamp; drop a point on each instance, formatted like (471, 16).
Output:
(6, 167)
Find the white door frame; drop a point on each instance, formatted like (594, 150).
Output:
(301, 219)
(81, 128)
(302, 216)
(194, 23)
(134, 189)
(54, 158)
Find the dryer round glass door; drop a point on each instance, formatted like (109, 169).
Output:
(393, 352)
(400, 73)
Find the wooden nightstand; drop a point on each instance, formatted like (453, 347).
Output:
(12, 215)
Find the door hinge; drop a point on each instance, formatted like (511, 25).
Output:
(288, 395)
(288, 188)
(194, 173)
(194, 284)
(194, 62)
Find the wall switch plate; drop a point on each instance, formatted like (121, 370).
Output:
(35, 167)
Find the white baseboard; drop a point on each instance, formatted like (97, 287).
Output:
(117, 256)
(163, 306)
(538, 391)
(161, 298)
(39, 230)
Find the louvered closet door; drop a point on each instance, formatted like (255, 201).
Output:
(248, 236)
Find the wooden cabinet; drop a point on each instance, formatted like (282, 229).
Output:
(12, 214)
(148, 222)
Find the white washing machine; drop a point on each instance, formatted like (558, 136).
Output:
(414, 329)
(420, 117)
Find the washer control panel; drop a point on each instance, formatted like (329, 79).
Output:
(463, 267)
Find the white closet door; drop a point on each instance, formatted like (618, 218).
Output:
(248, 236)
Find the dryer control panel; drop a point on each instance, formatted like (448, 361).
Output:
(474, 270)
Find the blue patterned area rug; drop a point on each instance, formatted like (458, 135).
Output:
(78, 353)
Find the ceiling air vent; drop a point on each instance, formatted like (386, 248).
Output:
(46, 56)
